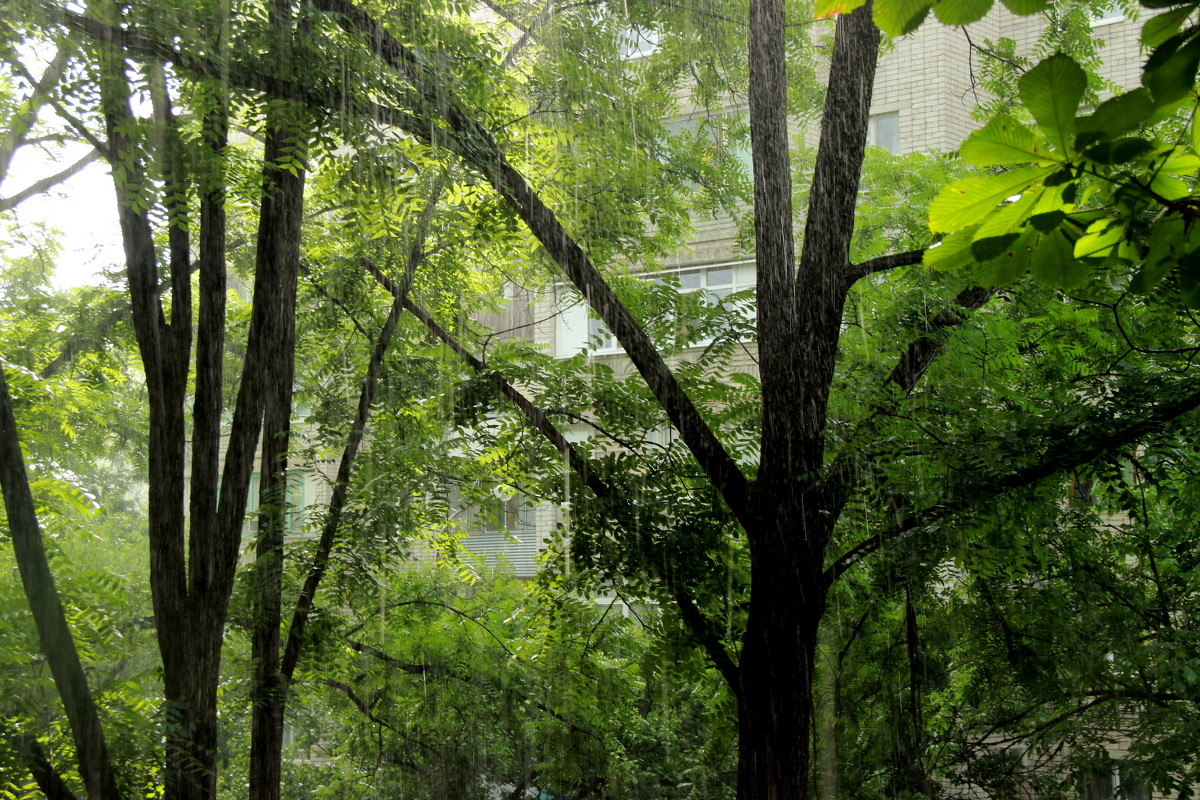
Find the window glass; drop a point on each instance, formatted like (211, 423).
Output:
(883, 131)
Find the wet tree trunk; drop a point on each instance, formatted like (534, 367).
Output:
(777, 669)
(795, 507)
(278, 254)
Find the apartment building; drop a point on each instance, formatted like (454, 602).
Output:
(926, 89)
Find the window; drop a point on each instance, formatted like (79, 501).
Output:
(296, 501)
(727, 133)
(498, 528)
(634, 43)
(577, 328)
(1107, 14)
(1114, 782)
(883, 131)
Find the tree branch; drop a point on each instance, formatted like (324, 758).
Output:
(479, 148)
(46, 184)
(905, 376)
(537, 418)
(1065, 453)
(341, 486)
(54, 635)
(856, 272)
(48, 780)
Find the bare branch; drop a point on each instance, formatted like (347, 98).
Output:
(856, 272)
(48, 183)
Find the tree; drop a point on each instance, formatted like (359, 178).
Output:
(827, 467)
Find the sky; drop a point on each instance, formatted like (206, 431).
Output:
(82, 209)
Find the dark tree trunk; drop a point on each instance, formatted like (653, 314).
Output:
(278, 255)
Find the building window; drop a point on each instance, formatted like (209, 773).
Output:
(1107, 14)
(497, 529)
(1115, 782)
(577, 328)
(634, 43)
(883, 131)
(719, 136)
(293, 514)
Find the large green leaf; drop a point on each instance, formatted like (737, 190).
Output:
(1010, 263)
(898, 17)
(1118, 151)
(970, 200)
(1002, 141)
(960, 12)
(1170, 72)
(1009, 217)
(1189, 279)
(1053, 262)
(1101, 238)
(1027, 6)
(1052, 91)
(953, 252)
(1121, 114)
(1161, 28)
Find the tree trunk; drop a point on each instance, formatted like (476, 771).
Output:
(777, 668)
(278, 255)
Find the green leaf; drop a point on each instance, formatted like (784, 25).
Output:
(992, 247)
(1048, 221)
(1027, 6)
(1150, 276)
(968, 201)
(1011, 263)
(1008, 218)
(1196, 128)
(1189, 279)
(1120, 114)
(1002, 141)
(1169, 187)
(1119, 151)
(1052, 91)
(953, 252)
(1182, 163)
(1053, 262)
(960, 12)
(898, 17)
(1101, 237)
(1162, 27)
(1170, 72)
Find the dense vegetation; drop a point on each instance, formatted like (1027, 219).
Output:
(942, 536)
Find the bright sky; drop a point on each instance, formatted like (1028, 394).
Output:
(82, 209)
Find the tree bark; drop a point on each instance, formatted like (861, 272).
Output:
(278, 258)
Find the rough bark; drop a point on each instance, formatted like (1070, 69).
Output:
(278, 259)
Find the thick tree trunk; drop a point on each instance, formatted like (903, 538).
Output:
(777, 668)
